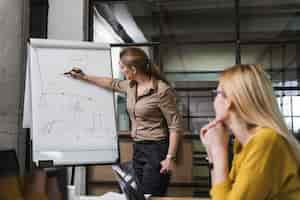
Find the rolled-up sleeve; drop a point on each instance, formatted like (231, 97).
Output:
(119, 85)
(168, 106)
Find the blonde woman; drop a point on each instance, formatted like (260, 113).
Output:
(266, 155)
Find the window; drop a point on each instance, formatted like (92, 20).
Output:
(195, 45)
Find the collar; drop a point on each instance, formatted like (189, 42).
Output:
(153, 86)
(132, 83)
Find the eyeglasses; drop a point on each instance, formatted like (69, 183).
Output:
(215, 93)
(121, 64)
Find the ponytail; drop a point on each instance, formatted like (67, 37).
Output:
(153, 70)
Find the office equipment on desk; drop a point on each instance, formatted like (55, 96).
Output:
(71, 122)
(107, 196)
(72, 192)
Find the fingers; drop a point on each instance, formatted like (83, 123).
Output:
(206, 128)
(203, 131)
(163, 167)
(76, 69)
(76, 73)
(210, 125)
(165, 170)
(203, 138)
(202, 134)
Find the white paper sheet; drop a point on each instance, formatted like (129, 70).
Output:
(72, 122)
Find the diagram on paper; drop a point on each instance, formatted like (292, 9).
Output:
(75, 106)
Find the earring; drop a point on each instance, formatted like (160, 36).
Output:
(133, 70)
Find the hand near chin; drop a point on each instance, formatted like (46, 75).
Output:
(210, 125)
(214, 137)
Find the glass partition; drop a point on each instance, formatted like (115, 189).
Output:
(196, 40)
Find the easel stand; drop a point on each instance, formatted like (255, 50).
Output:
(72, 175)
(61, 174)
(49, 163)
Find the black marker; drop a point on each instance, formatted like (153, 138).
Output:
(73, 70)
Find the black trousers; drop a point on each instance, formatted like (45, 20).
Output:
(147, 156)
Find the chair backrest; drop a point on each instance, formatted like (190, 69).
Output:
(9, 165)
(128, 183)
(127, 167)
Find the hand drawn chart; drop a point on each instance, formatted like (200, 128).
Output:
(70, 116)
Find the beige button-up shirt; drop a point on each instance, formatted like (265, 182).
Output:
(154, 114)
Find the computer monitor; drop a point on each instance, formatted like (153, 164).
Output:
(129, 186)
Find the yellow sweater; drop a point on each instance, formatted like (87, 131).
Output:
(264, 169)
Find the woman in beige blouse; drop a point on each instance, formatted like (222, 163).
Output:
(155, 121)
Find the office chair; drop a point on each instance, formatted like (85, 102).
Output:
(128, 183)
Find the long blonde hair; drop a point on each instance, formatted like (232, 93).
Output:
(251, 92)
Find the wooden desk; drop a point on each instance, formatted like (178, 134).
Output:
(178, 198)
(151, 198)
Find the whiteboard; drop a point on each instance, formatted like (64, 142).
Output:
(72, 122)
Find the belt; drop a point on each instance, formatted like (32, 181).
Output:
(164, 141)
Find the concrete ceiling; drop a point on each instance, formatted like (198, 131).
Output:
(207, 6)
(214, 19)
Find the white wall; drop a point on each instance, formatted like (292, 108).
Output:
(13, 23)
(66, 19)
